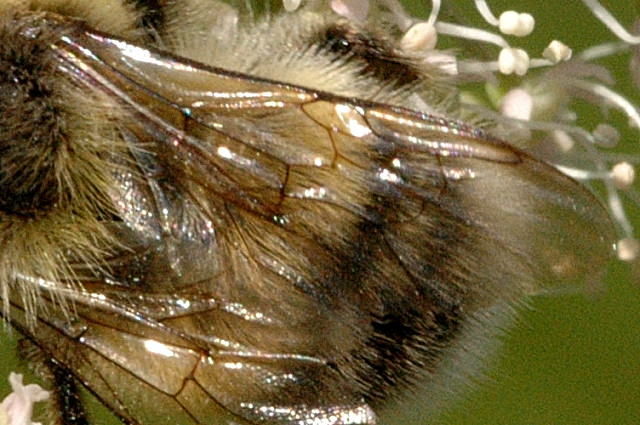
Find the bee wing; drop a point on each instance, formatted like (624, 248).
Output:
(176, 358)
(307, 159)
(288, 234)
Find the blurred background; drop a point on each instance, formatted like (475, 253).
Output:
(570, 359)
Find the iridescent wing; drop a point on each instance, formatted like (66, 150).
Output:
(292, 256)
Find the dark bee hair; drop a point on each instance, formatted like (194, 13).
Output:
(256, 223)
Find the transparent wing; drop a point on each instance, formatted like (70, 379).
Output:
(188, 358)
(300, 254)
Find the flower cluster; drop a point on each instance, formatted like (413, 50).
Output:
(536, 110)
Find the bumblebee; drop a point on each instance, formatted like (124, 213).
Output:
(210, 221)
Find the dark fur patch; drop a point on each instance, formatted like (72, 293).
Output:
(378, 56)
(31, 124)
(153, 18)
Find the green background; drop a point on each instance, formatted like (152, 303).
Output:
(570, 359)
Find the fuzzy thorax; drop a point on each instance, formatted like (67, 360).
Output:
(57, 150)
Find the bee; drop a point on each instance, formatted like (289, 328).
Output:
(209, 222)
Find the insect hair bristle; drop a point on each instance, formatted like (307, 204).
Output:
(115, 17)
(61, 147)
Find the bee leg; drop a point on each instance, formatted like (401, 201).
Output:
(66, 406)
(66, 397)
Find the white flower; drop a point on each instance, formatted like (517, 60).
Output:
(17, 407)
